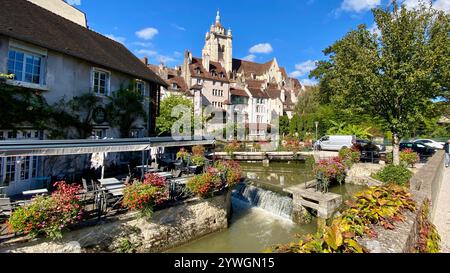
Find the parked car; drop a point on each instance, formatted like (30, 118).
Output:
(362, 142)
(431, 143)
(335, 143)
(370, 152)
(423, 150)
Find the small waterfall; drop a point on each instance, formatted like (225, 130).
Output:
(268, 200)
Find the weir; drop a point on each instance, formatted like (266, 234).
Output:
(270, 201)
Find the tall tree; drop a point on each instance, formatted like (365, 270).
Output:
(165, 121)
(393, 76)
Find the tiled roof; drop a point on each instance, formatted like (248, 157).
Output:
(204, 74)
(25, 21)
(283, 73)
(251, 67)
(238, 92)
(258, 93)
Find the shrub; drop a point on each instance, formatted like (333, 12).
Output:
(429, 238)
(292, 144)
(231, 171)
(350, 156)
(376, 206)
(409, 157)
(198, 160)
(392, 174)
(198, 150)
(232, 147)
(144, 196)
(204, 185)
(183, 154)
(49, 215)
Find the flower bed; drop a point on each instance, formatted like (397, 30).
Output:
(206, 184)
(49, 215)
(224, 174)
(409, 157)
(382, 206)
(143, 196)
(332, 170)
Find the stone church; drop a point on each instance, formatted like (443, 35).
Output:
(258, 91)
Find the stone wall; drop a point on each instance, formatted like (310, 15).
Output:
(425, 186)
(168, 228)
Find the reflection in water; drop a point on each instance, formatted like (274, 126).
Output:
(279, 174)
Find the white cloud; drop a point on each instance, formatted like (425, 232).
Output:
(261, 48)
(165, 59)
(147, 33)
(308, 82)
(375, 30)
(359, 5)
(116, 38)
(146, 52)
(442, 5)
(179, 27)
(74, 2)
(303, 69)
(438, 4)
(250, 58)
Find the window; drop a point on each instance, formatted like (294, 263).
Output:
(98, 133)
(199, 81)
(12, 134)
(10, 174)
(198, 71)
(135, 133)
(174, 86)
(26, 67)
(1, 135)
(101, 82)
(24, 168)
(140, 87)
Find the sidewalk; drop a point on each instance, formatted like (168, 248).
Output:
(442, 214)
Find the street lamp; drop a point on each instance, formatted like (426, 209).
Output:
(317, 129)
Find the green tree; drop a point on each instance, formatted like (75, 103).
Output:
(165, 121)
(125, 108)
(393, 76)
(284, 125)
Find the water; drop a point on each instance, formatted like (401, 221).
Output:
(252, 230)
(278, 174)
(261, 218)
(264, 199)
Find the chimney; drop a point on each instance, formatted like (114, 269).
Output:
(145, 60)
(205, 61)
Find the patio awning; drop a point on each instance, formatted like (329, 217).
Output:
(89, 146)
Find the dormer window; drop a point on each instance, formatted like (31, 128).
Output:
(174, 86)
(221, 75)
(198, 71)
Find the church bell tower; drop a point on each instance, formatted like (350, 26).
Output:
(218, 46)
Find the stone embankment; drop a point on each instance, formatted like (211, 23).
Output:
(425, 186)
(168, 228)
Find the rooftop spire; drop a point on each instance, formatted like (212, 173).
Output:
(218, 17)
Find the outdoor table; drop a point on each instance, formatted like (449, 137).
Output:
(116, 192)
(114, 187)
(147, 168)
(165, 175)
(109, 181)
(35, 192)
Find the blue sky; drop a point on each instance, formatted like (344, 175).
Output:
(293, 31)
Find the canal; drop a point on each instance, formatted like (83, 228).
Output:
(261, 217)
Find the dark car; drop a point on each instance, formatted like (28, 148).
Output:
(362, 142)
(370, 152)
(423, 150)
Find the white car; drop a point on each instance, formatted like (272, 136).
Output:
(431, 143)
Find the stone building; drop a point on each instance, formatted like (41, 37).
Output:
(258, 91)
(62, 59)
